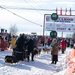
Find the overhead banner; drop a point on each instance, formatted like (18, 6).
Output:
(63, 23)
(65, 19)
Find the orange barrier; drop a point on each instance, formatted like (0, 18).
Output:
(71, 61)
(71, 69)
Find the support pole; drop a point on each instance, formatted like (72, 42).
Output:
(44, 27)
(62, 34)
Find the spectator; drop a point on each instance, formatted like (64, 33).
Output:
(63, 45)
(30, 45)
(54, 51)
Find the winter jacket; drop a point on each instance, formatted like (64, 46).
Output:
(13, 42)
(20, 42)
(63, 44)
(30, 45)
(55, 49)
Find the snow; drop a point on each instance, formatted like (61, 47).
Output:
(40, 66)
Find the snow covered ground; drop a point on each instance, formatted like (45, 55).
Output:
(40, 66)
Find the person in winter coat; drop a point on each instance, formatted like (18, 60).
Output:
(54, 51)
(19, 50)
(30, 45)
(49, 41)
(42, 41)
(63, 45)
(13, 42)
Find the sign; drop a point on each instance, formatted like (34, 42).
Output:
(50, 26)
(61, 18)
(34, 33)
(63, 23)
(53, 34)
(54, 16)
(60, 27)
(65, 27)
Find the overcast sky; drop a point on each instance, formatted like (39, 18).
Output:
(24, 23)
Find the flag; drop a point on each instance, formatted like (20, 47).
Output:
(2, 30)
(70, 12)
(61, 11)
(66, 11)
(56, 11)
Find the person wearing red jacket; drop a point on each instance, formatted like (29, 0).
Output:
(63, 45)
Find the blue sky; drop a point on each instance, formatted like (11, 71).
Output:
(7, 19)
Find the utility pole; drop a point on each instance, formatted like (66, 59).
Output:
(44, 27)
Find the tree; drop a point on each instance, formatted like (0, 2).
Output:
(13, 29)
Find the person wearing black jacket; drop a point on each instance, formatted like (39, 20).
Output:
(20, 41)
(19, 51)
(30, 48)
